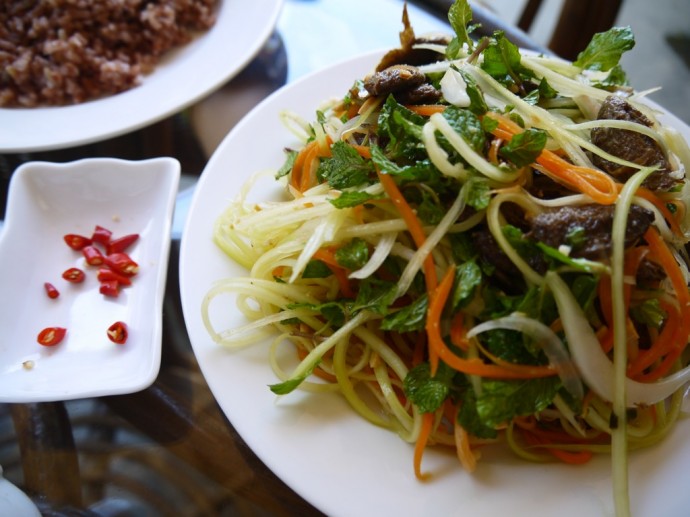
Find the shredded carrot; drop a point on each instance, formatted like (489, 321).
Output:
(473, 366)
(493, 150)
(413, 223)
(363, 150)
(597, 184)
(660, 205)
(662, 345)
(298, 166)
(437, 301)
(660, 253)
(303, 174)
(416, 230)
(457, 332)
(419, 347)
(426, 110)
(462, 446)
(327, 256)
(308, 178)
(420, 445)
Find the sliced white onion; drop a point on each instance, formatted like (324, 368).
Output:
(594, 365)
(382, 250)
(454, 88)
(544, 337)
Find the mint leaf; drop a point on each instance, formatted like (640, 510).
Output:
(353, 255)
(375, 295)
(606, 48)
(351, 198)
(316, 269)
(649, 312)
(408, 319)
(345, 168)
(286, 168)
(468, 125)
(469, 419)
(503, 62)
(479, 193)
(617, 77)
(501, 401)
(403, 129)
(283, 388)
(524, 147)
(468, 277)
(459, 16)
(427, 392)
(477, 105)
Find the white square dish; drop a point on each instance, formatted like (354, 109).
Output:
(47, 201)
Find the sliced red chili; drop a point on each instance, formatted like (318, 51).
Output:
(77, 242)
(109, 288)
(101, 235)
(121, 243)
(93, 256)
(51, 290)
(121, 263)
(105, 274)
(117, 332)
(74, 275)
(51, 336)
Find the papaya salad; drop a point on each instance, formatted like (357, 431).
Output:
(478, 246)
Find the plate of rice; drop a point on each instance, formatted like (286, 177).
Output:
(75, 74)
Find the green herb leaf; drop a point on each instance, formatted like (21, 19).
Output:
(649, 312)
(403, 129)
(616, 78)
(375, 295)
(469, 419)
(349, 199)
(345, 168)
(501, 401)
(468, 277)
(288, 164)
(459, 16)
(468, 125)
(427, 392)
(408, 319)
(316, 269)
(524, 147)
(503, 62)
(283, 388)
(606, 48)
(353, 255)
(477, 105)
(479, 193)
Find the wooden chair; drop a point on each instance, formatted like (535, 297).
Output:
(577, 22)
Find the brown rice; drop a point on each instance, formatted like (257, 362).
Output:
(60, 52)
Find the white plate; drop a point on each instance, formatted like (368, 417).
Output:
(47, 201)
(183, 77)
(334, 459)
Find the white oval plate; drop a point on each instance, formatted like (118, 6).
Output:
(47, 201)
(329, 455)
(184, 76)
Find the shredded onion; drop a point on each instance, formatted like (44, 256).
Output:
(595, 367)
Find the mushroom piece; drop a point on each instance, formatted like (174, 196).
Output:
(393, 79)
